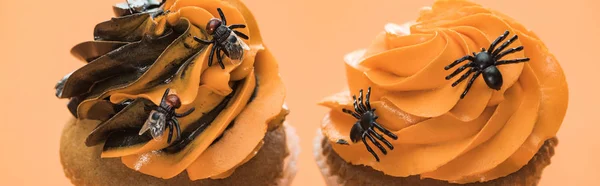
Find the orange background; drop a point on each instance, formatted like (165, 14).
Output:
(309, 38)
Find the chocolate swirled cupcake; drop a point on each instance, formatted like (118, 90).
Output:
(179, 92)
(464, 95)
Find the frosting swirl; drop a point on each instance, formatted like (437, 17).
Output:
(136, 56)
(488, 134)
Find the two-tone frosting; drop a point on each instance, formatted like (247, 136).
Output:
(487, 135)
(136, 56)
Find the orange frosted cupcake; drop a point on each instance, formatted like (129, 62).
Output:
(463, 95)
(182, 92)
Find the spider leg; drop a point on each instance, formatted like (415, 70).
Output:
(211, 55)
(129, 5)
(203, 41)
(170, 125)
(385, 131)
(470, 84)
(220, 58)
(505, 44)
(351, 113)
(511, 61)
(369, 148)
(223, 53)
(166, 93)
(361, 104)
(367, 100)
(463, 77)
(240, 34)
(164, 97)
(376, 143)
(356, 108)
(177, 128)
(459, 70)
(509, 51)
(498, 40)
(186, 113)
(381, 138)
(236, 26)
(458, 61)
(222, 16)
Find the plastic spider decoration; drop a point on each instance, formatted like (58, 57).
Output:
(485, 63)
(164, 116)
(225, 39)
(364, 128)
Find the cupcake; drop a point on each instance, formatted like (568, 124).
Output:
(180, 92)
(463, 95)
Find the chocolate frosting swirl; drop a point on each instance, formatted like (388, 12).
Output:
(136, 56)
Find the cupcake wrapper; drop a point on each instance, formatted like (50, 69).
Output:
(272, 165)
(337, 172)
(321, 160)
(290, 169)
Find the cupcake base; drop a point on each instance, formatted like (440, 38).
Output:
(336, 171)
(274, 164)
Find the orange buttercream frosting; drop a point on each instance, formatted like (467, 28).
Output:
(144, 53)
(488, 134)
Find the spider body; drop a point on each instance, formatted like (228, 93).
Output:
(486, 62)
(219, 31)
(363, 129)
(224, 39)
(164, 116)
(491, 74)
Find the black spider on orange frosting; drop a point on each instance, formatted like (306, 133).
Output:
(164, 116)
(485, 63)
(364, 127)
(225, 39)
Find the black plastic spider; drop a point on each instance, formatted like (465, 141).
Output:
(164, 116)
(225, 39)
(363, 128)
(485, 63)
